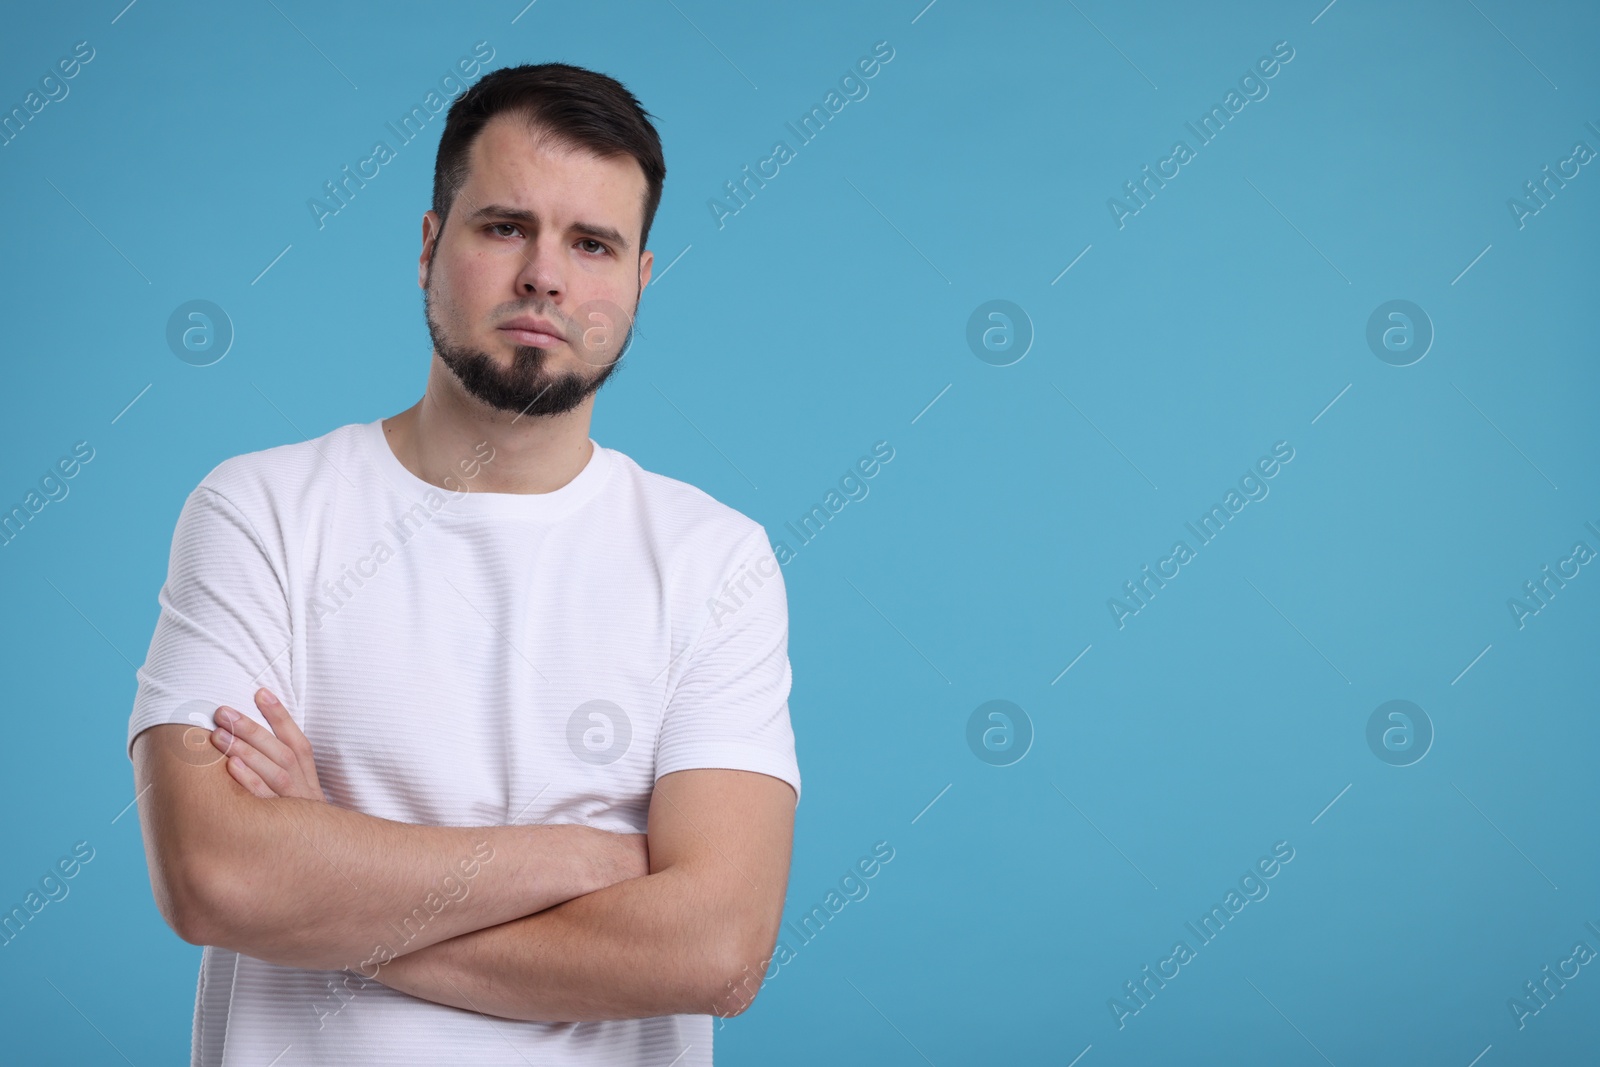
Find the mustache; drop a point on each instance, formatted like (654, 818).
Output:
(514, 310)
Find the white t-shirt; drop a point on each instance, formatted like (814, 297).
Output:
(465, 658)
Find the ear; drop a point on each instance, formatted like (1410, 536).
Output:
(431, 228)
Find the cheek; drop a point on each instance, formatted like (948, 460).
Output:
(606, 283)
(467, 288)
(486, 272)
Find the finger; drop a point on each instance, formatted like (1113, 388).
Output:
(288, 731)
(275, 777)
(221, 740)
(256, 736)
(282, 722)
(249, 779)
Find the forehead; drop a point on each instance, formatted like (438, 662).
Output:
(510, 165)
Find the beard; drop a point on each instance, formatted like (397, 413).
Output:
(527, 386)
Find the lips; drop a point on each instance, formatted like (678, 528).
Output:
(532, 331)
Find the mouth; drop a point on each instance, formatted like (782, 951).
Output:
(535, 338)
(536, 332)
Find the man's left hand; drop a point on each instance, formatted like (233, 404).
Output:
(269, 763)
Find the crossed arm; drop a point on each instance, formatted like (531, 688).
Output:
(560, 923)
(704, 919)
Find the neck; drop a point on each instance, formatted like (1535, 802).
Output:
(449, 434)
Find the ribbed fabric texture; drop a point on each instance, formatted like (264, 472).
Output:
(465, 659)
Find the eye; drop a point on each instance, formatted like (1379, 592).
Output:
(497, 225)
(598, 246)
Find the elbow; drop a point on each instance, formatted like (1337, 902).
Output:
(207, 852)
(735, 978)
(191, 926)
(200, 887)
(212, 901)
(190, 899)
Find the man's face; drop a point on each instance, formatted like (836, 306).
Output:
(544, 233)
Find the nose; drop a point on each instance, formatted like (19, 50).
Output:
(542, 267)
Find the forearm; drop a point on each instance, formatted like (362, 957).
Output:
(311, 885)
(644, 947)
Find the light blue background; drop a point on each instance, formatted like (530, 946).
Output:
(1227, 315)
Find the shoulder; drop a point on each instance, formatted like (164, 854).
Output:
(686, 517)
(271, 478)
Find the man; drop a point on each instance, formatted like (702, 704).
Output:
(461, 737)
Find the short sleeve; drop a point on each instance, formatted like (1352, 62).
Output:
(730, 707)
(224, 627)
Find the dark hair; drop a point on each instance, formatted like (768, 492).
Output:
(564, 104)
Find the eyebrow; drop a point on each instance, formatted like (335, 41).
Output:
(529, 219)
